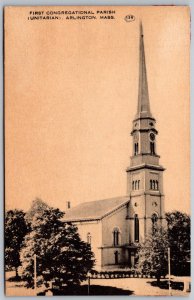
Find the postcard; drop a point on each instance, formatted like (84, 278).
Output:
(97, 150)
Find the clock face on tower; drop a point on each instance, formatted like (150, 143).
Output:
(152, 136)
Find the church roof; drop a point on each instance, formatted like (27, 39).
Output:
(94, 210)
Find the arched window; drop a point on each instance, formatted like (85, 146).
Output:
(116, 237)
(133, 185)
(152, 148)
(153, 185)
(138, 185)
(150, 184)
(154, 222)
(156, 185)
(89, 238)
(154, 218)
(136, 228)
(136, 148)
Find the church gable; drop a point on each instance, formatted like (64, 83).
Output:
(114, 228)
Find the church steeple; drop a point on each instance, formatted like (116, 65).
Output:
(145, 174)
(143, 109)
(144, 133)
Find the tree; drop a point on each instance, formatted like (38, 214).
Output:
(61, 255)
(179, 227)
(15, 231)
(38, 206)
(152, 256)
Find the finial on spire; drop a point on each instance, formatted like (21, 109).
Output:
(141, 29)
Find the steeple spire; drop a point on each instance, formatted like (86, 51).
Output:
(143, 109)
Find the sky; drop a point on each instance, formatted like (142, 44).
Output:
(71, 89)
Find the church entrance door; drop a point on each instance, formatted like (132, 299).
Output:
(116, 257)
(131, 258)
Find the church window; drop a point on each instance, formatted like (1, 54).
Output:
(136, 148)
(153, 185)
(156, 185)
(136, 228)
(133, 183)
(89, 238)
(154, 218)
(150, 184)
(152, 148)
(154, 222)
(116, 237)
(138, 184)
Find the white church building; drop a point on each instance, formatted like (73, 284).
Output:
(115, 226)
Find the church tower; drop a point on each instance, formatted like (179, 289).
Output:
(145, 174)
